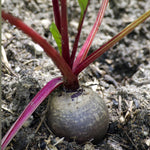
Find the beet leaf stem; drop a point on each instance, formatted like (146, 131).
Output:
(86, 46)
(69, 77)
(75, 45)
(64, 33)
(56, 11)
(30, 108)
(111, 42)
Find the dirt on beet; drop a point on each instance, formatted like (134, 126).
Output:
(121, 75)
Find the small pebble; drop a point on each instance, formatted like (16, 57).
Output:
(46, 23)
(17, 69)
(8, 35)
(145, 133)
(38, 49)
(147, 141)
(74, 23)
(122, 119)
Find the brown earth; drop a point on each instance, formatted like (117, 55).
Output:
(121, 75)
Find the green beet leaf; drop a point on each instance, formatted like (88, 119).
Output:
(83, 5)
(57, 36)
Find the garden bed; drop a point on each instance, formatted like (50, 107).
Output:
(121, 75)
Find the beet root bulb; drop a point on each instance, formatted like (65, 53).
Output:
(79, 116)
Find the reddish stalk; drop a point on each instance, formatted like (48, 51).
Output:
(30, 108)
(57, 14)
(70, 80)
(75, 45)
(64, 33)
(110, 43)
(87, 44)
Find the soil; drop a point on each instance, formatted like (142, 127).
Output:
(121, 75)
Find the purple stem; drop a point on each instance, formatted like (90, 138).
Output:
(64, 32)
(57, 14)
(30, 108)
(75, 46)
(70, 80)
(110, 43)
(86, 46)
